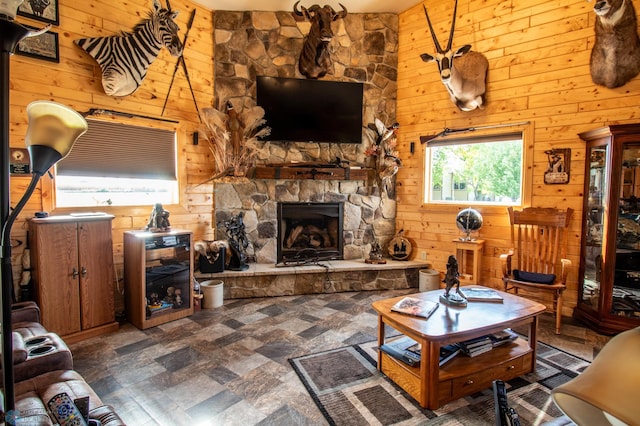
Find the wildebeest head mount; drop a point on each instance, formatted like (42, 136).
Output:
(315, 58)
(462, 71)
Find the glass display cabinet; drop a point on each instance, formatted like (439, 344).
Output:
(158, 269)
(609, 280)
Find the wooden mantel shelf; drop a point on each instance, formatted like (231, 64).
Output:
(314, 172)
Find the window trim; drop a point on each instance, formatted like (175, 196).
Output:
(527, 131)
(181, 131)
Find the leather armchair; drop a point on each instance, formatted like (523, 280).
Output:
(32, 396)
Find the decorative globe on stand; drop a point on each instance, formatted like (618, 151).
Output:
(469, 220)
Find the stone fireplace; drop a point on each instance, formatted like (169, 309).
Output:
(309, 231)
(366, 217)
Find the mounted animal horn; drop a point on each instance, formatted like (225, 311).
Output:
(462, 71)
(168, 6)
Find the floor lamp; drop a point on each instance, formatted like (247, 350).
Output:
(53, 128)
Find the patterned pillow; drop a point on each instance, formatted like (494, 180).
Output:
(534, 277)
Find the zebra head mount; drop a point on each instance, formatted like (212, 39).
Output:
(315, 59)
(125, 58)
(462, 71)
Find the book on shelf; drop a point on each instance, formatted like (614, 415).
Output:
(416, 307)
(475, 294)
(476, 346)
(409, 351)
(504, 336)
(448, 352)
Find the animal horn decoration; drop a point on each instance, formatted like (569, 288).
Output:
(615, 57)
(315, 58)
(462, 71)
(125, 58)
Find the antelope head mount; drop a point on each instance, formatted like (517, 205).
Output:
(462, 71)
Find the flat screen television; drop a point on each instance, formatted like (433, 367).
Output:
(299, 110)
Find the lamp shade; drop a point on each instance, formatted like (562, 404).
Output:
(53, 129)
(608, 391)
(9, 8)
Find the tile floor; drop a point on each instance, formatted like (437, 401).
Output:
(228, 366)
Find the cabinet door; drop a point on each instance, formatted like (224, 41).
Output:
(96, 273)
(58, 282)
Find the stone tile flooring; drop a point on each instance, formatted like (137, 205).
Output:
(228, 366)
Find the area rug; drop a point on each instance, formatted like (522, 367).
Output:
(350, 391)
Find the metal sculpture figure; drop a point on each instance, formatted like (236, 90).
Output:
(159, 219)
(452, 278)
(238, 243)
(462, 71)
(315, 58)
(125, 58)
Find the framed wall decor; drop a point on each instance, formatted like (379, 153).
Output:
(44, 46)
(40, 10)
(559, 166)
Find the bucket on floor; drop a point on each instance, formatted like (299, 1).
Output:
(212, 292)
(429, 279)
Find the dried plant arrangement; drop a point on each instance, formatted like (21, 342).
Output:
(233, 139)
(385, 156)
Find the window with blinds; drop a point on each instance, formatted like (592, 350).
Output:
(472, 170)
(119, 164)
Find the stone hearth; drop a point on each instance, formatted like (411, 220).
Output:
(333, 276)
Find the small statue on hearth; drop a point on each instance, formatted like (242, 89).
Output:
(159, 219)
(451, 278)
(238, 242)
(375, 255)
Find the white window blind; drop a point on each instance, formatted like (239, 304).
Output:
(117, 150)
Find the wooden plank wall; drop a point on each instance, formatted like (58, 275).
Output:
(538, 54)
(76, 81)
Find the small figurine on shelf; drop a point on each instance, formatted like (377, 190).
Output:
(159, 219)
(238, 243)
(451, 278)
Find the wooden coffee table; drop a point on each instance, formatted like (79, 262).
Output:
(432, 385)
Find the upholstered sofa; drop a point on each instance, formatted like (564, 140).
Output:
(43, 368)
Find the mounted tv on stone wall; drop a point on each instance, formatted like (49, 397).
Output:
(299, 110)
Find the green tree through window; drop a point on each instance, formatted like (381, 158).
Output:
(485, 172)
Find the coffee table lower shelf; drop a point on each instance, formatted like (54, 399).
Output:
(463, 375)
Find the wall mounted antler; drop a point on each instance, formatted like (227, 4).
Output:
(462, 71)
(615, 57)
(315, 59)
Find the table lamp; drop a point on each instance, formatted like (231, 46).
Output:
(608, 391)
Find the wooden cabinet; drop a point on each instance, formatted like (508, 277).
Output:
(158, 269)
(609, 291)
(72, 267)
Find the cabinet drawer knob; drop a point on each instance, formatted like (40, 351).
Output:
(469, 382)
(83, 272)
(74, 273)
(511, 367)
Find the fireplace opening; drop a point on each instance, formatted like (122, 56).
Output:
(309, 231)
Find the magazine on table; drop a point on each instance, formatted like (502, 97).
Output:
(475, 294)
(416, 307)
(409, 351)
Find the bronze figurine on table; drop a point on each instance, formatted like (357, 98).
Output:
(451, 278)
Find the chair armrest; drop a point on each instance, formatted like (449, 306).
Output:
(25, 312)
(564, 270)
(505, 263)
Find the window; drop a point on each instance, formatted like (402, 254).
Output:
(475, 170)
(116, 164)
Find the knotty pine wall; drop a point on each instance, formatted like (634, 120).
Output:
(76, 82)
(538, 56)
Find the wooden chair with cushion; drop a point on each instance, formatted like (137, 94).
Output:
(539, 247)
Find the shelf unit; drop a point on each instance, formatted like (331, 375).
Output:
(158, 269)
